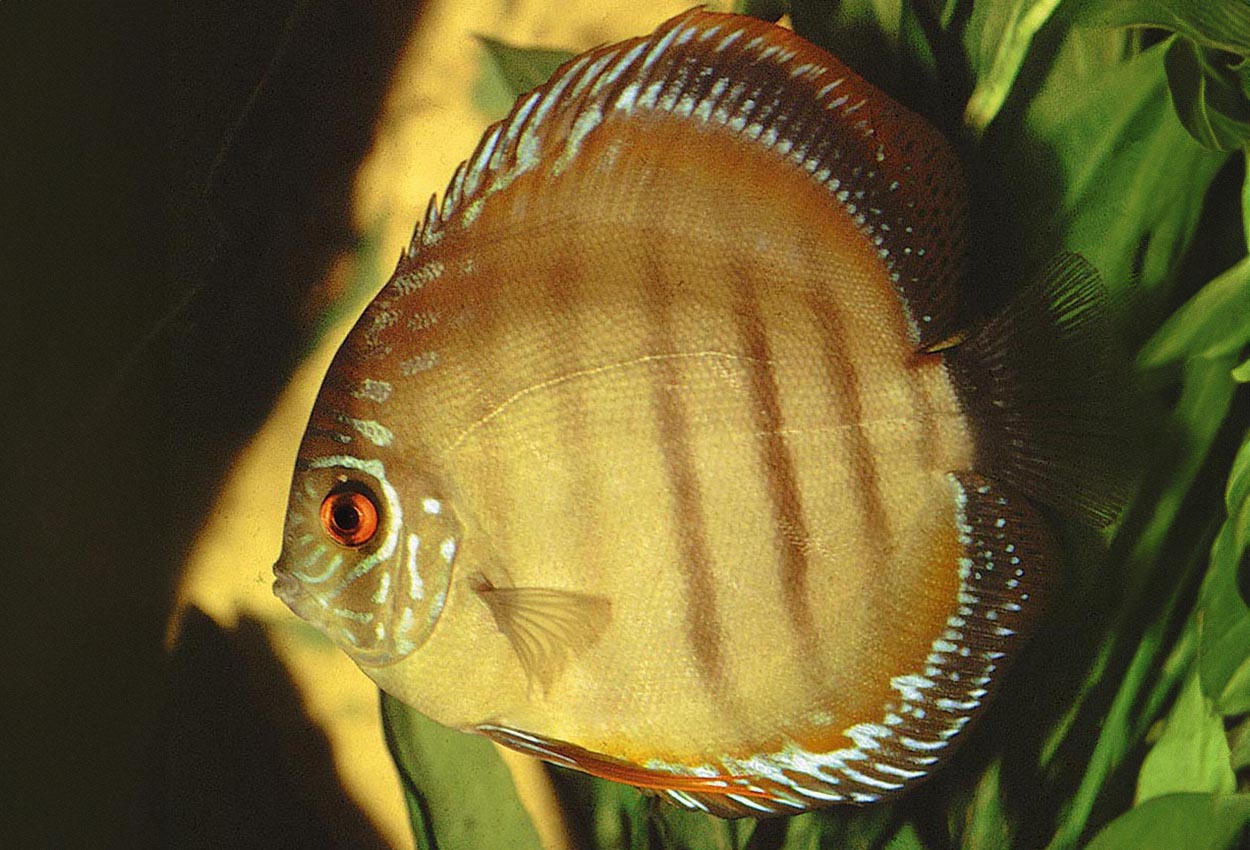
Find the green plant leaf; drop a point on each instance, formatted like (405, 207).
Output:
(1108, 133)
(1222, 615)
(765, 10)
(459, 792)
(1178, 822)
(883, 40)
(1192, 754)
(1242, 373)
(1221, 24)
(1239, 745)
(986, 825)
(508, 71)
(1237, 492)
(1025, 19)
(679, 829)
(1205, 400)
(1214, 323)
(905, 839)
(1208, 95)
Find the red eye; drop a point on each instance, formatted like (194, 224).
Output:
(349, 517)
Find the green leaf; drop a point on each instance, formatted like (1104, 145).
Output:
(1205, 400)
(1107, 133)
(459, 792)
(679, 829)
(905, 839)
(620, 813)
(1208, 96)
(1242, 373)
(803, 832)
(1223, 616)
(883, 40)
(1192, 754)
(1221, 24)
(765, 10)
(1239, 745)
(509, 71)
(1178, 822)
(1214, 323)
(987, 826)
(1026, 18)
(1238, 490)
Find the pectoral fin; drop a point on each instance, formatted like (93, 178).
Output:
(546, 626)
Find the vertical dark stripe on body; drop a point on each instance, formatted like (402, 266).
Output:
(697, 566)
(842, 379)
(777, 465)
(568, 339)
(929, 434)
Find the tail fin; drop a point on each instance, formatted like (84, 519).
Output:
(1048, 395)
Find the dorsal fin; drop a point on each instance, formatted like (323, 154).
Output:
(890, 170)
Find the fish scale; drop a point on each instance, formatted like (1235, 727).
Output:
(667, 412)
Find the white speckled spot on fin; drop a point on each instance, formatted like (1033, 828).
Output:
(546, 626)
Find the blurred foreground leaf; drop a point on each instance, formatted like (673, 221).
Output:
(459, 792)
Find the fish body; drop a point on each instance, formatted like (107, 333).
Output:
(670, 453)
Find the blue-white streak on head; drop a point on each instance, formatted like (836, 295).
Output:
(380, 599)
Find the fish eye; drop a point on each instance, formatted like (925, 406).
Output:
(350, 517)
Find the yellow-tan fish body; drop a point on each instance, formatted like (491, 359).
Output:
(669, 451)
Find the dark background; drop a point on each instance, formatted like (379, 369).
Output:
(175, 179)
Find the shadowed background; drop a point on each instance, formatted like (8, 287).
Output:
(186, 224)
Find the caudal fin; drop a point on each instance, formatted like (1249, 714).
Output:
(1047, 393)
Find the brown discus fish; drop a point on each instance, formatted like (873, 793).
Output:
(671, 453)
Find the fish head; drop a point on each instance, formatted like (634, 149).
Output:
(369, 546)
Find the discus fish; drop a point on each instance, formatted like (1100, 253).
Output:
(672, 451)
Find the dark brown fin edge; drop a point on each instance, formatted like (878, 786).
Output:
(1047, 393)
(888, 168)
(717, 792)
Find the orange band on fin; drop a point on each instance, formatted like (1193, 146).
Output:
(619, 770)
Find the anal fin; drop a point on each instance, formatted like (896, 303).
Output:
(722, 795)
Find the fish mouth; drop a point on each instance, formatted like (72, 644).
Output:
(291, 591)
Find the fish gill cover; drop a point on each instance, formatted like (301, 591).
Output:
(1116, 129)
